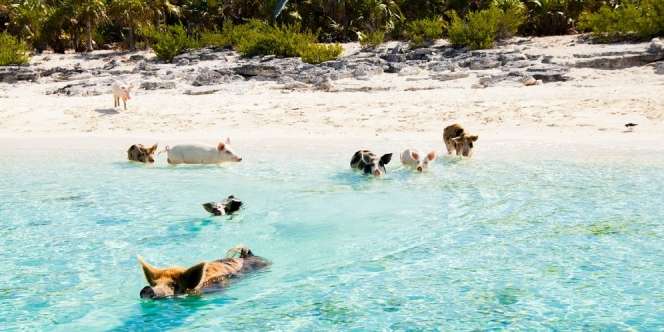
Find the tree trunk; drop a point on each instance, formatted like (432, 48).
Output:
(132, 46)
(89, 31)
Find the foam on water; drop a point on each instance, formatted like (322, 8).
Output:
(529, 242)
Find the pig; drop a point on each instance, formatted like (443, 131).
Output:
(138, 152)
(202, 154)
(200, 278)
(227, 206)
(369, 163)
(121, 90)
(457, 140)
(412, 158)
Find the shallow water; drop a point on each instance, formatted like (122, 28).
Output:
(517, 241)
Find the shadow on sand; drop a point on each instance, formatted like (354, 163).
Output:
(107, 111)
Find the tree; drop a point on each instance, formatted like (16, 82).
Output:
(131, 15)
(91, 12)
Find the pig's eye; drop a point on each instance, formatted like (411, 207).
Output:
(471, 144)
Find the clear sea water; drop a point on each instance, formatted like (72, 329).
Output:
(510, 240)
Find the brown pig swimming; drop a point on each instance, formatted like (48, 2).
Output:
(457, 140)
(202, 277)
(140, 153)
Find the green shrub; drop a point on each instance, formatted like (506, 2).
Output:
(12, 51)
(479, 30)
(231, 35)
(317, 53)
(423, 31)
(641, 20)
(372, 39)
(258, 38)
(170, 42)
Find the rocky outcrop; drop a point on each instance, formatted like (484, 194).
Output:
(13, 74)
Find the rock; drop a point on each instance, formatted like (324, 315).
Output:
(364, 71)
(484, 63)
(393, 68)
(181, 62)
(659, 68)
(136, 57)
(656, 47)
(519, 64)
(549, 73)
(111, 64)
(208, 56)
(324, 84)
(547, 59)
(12, 74)
(205, 76)
(450, 76)
(251, 70)
(394, 57)
(620, 61)
(201, 91)
(506, 58)
(528, 81)
(80, 89)
(157, 85)
(425, 53)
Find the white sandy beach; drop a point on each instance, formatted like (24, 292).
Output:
(406, 107)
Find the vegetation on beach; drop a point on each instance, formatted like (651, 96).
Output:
(632, 20)
(259, 38)
(297, 27)
(424, 31)
(12, 51)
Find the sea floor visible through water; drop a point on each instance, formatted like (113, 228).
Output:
(533, 239)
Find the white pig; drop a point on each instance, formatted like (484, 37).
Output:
(121, 90)
(201, 154)
(412, 158)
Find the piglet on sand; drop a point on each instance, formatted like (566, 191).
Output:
(121, 90)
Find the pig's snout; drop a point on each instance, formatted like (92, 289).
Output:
(239, 159)
(376, 172)
(148, 293)
(419, 168)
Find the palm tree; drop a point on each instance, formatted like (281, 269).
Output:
(91, 12)
(132, 15)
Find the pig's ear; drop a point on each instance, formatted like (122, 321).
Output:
(415, 155)
(228, 140)
(192, 277)
(221, 146)
(473, 138)
(152, 149)
(431, 155)
(151, 272)
(385, 159)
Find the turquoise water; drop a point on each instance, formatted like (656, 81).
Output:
(525, 241)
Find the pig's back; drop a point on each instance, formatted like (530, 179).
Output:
(193, 154)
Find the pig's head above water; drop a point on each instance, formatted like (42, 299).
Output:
(412, 158)
(369, 163)
(463, 144)
(140, 153)
(170, 281)
(226, 152)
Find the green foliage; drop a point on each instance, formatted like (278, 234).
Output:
(551, 17)
(169, 42)
(317, 53)
(258, 38)
(479, 30)
(423, 31)
(640, 20)
(12, 51)
(371, 39)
